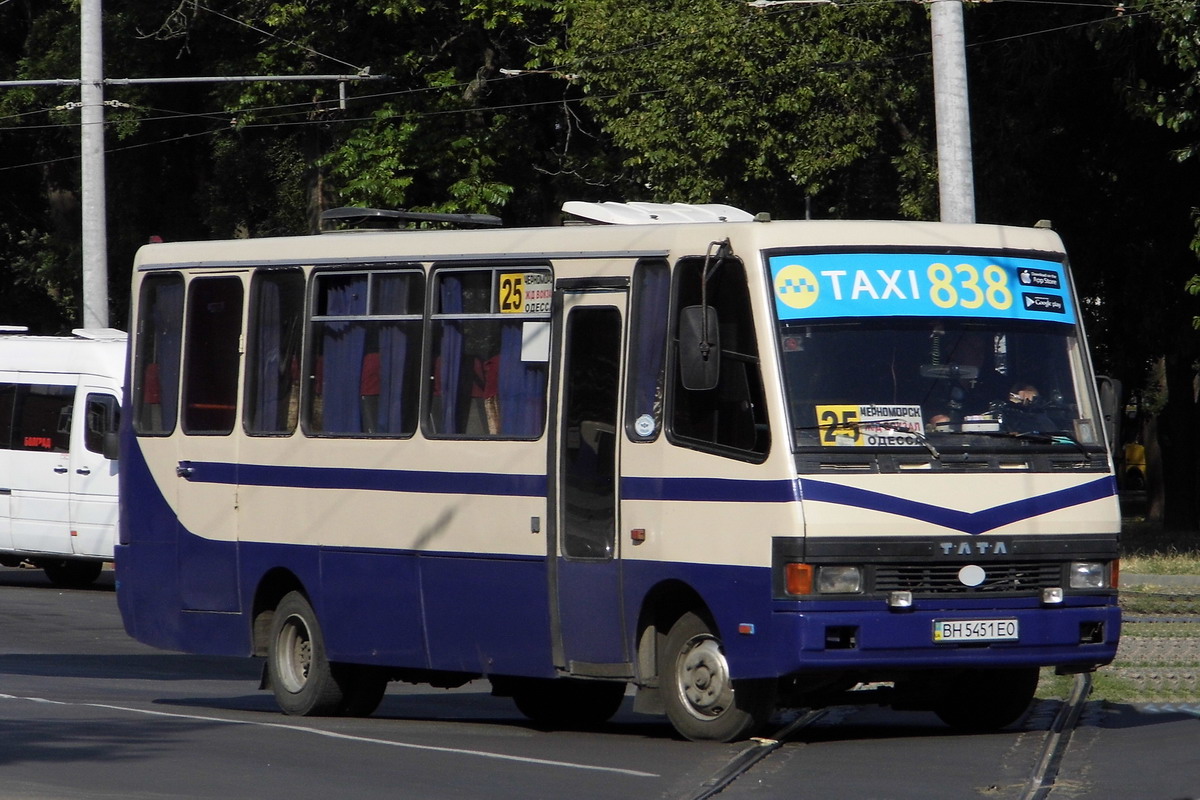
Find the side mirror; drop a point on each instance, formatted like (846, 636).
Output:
(1110, 399)
(112, 446)
(699, 348)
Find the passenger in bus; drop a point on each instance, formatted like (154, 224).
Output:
(152, 398)
(369, 392)
(971, 386)
(1027, 411)
(473, 393)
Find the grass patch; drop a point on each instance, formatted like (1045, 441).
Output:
(1174, 630)
(1148, 549)
(1119, 685)
(1162, 564)
(1183, 600)
(1113, 688)
(1053, 687)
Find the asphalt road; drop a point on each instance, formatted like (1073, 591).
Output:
(86, 712)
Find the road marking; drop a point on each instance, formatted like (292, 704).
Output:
(348, 737)
(1169, 708)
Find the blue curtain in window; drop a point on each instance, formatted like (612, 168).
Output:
(168, 322)
(267, 355)
(522, 387)
(342, 349)
(393, 357)
(450, 354)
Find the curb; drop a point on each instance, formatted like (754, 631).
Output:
(1129, 579)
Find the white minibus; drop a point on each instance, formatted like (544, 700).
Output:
(59, 402)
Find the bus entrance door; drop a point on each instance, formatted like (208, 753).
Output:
(589, 632)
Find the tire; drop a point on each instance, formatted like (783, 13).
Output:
(72, 574)
(300, 674)
(986, 699)
(702, 701)
(362, 687)
(567, 702)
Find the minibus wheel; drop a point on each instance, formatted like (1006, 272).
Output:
(300, 674)
(702, 700)
(70, 573)
(986, 699)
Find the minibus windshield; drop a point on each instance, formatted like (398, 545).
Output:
(889, 382)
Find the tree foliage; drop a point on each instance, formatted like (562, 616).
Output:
(710, 99)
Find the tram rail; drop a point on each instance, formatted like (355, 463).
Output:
(1038, 785)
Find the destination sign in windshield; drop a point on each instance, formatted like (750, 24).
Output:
(831, 285)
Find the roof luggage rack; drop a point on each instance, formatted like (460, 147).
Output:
(383, 217)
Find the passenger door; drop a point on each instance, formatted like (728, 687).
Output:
(40, 468)
(8, 395)
(93, 477)
(208, 440)
(590, 637)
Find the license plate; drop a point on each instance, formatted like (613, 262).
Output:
(974, 630)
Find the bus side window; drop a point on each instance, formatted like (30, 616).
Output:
(155, 377)
(103, 417)
(43, 418)
(490, 343)
(647, 350)
(732, 416)
(273, 354)
(8, 401)
(211, 355)
(363, 363)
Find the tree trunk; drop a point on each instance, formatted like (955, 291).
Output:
(1179, 440)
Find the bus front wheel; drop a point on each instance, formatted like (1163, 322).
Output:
(300, 674)
(986, 699)
(702, 700)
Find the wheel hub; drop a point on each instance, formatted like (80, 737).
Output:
(295, 654)
(704, 678)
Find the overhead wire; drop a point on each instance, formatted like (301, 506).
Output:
(256, 29)
(229, 118)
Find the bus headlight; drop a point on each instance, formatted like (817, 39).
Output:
(1087, 575)
(839, 580)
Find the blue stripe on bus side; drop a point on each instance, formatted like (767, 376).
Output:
(970, 522)
(717, 490)
(385, 480)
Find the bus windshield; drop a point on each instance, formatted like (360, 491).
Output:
(874, 381)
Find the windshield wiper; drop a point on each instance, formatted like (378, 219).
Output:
(1040, 437)
(1054, 437)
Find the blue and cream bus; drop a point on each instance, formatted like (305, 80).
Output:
(733, 463)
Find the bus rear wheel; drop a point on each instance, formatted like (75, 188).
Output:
(363, 688)
(567, 702)
(986, 699)
(702, 700)
(300, 674)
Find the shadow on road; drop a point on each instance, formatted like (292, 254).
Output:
(151, 666)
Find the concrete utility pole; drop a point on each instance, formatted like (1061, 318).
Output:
(91, 132)
(956, 176)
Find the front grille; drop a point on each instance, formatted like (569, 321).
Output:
(1002, 577)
